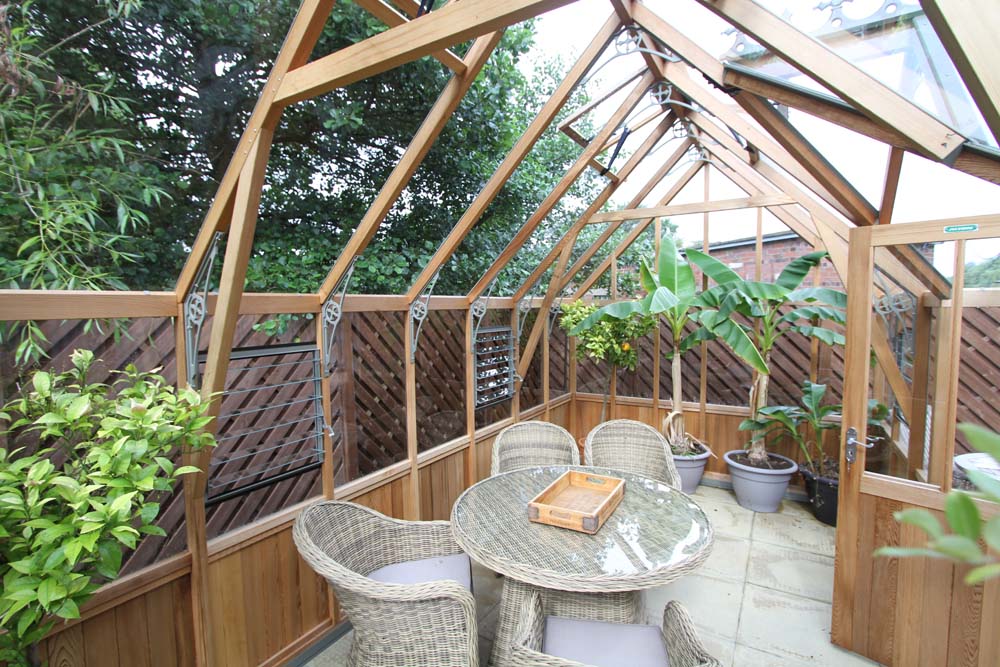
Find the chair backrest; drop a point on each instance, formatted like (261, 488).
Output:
(533, 443)
(344, 541)
(631, 446)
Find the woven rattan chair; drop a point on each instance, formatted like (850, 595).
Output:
(364, 555)
(533, 443)
(624, 444)
(552, 641)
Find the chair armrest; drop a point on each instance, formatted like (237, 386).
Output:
(683, 644)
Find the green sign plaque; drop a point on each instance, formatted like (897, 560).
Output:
(958, 229)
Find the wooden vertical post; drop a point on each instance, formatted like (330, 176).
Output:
(758, 254)
(327, 470)
(348, 400)
(946, 377)
(919, 397)
(657, 344)
(472, 460)
(571, 363)
(546, 352)
(515, 401)
(703, 372)
(614, 276)
(234, 269)
(411, 504)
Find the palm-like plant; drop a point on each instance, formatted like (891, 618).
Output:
(766, 307)
(671, 293)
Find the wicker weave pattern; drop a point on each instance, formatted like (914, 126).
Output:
(432, 623)
(533, 443)
(683, 645)
(624, 444)
(655, 536)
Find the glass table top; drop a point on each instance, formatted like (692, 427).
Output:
(656, 534)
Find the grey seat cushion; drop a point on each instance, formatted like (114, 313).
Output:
(604, 644)
(456, 567)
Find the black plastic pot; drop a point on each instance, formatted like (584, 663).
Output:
(822, 492)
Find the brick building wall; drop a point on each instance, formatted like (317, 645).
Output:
(778, 251)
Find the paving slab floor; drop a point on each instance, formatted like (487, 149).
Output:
(763, 598)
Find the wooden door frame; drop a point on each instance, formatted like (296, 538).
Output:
(855, 481)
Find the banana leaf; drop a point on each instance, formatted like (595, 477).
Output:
(796, 270)
(674, 271)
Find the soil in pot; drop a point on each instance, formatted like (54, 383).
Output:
(691, 467)
(760, 488)
(823, 490)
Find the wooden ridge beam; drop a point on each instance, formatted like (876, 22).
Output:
(694, 207)
(633, 234)
(873, 98)
(516, 155)
(295, 51)
(392, 18)
(557, 193)
(861, 212)
(637, 200)
(430, 129)
(968, 29)
(420, 37)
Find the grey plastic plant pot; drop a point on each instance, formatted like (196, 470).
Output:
(759, 489)
(691, 468)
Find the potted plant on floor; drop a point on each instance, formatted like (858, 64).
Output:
(671, 294)
(769, 311)
(609, 340)
(80, 475)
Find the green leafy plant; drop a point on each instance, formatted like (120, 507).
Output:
(670, 294)
(771, 310)
(84, 466)
(605, 339)
(960, 541)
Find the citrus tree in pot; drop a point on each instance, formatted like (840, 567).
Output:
(768, 312)
(80, 475)
(671, 294)
(609, 340)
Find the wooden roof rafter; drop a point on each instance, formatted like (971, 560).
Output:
(392, 18)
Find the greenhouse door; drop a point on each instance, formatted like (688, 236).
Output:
(928, 347)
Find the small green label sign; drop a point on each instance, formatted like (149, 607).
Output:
(958, 229)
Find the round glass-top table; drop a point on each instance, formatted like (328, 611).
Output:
(656, 535)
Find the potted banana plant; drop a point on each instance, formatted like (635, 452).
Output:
(671, 294)
(768, 312)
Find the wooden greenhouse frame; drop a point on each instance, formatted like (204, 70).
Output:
(201, 607)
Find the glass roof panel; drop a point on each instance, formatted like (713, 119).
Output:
(891, 40)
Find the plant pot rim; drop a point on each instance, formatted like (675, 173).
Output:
(763, 471)
(806, 472)
(693, 457)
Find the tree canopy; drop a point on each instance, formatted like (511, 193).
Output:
(177, 80)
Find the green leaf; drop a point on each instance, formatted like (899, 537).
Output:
(662, 301)
(795, 272)
(712, 267)
(49, 591)
(991, 533)
(980, 574)
(674, 271)
(736, 338)
(962, 515)
(831, 297)
(42, 382)
(646, 278)
(958, 547)
(907, 552)
(68, 609)
(922, 519)
(78, 407)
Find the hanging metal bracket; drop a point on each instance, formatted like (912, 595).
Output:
(195, 309)
(332, 312)
(418, 313)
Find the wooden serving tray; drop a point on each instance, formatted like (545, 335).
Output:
(579, 501)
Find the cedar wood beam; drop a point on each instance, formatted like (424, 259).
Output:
(434, 123)
(392, 18)
(971, 161)
(516, 155)
(876, 100)
(599, 242)
(694, 207)
(862, 212)
(633, 234)
(453, 23)
(295, 51)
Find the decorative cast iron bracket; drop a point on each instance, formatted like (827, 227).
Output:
(332, 312)
(418, 313)
(195, 309)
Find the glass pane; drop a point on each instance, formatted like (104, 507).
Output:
(892, 42)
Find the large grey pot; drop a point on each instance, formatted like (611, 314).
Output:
(759, 489)
(691, 469)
